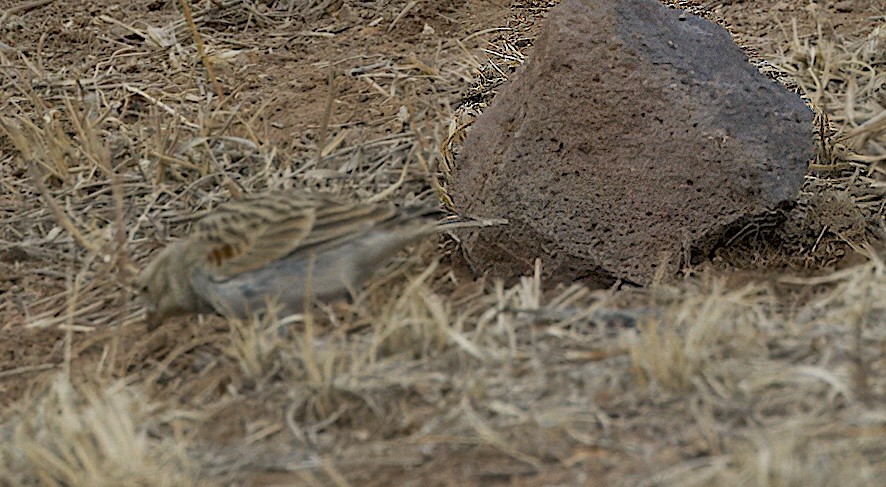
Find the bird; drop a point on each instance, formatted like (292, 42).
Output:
(283, 247)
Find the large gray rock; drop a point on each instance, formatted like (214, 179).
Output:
(632, 130)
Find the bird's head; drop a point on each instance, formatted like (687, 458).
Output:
(166, 286)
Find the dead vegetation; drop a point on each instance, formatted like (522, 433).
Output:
(119, 127)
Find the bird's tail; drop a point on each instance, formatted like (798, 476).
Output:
(453, 222)
(442, 220)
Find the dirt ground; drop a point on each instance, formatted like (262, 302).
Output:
(121, 122)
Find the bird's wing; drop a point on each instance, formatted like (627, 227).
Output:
(246, 235)
(337, 222)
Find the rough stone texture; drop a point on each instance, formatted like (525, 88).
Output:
(632, 130)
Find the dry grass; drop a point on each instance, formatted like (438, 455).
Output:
(91, 435)
(117, 133)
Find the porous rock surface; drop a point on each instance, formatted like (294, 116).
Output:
(632, 131)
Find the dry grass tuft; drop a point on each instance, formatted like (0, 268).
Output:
(842, 76)
(86, 435)
(255, 346)
(703, 329)
(790, 454)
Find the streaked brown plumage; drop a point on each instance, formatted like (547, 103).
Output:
(263, 248)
